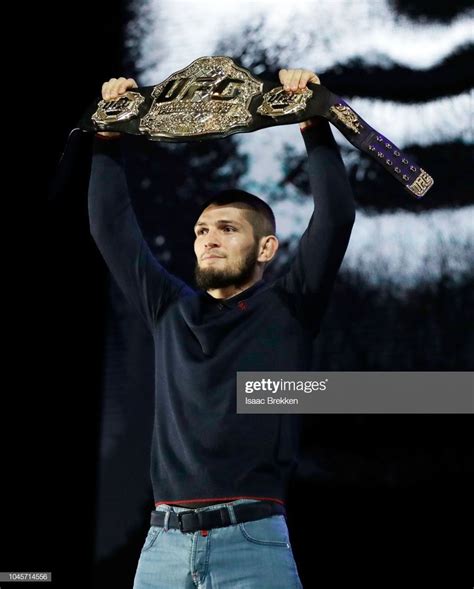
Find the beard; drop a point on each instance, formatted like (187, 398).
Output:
(241, 274)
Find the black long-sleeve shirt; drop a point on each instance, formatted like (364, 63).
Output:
(201, 448)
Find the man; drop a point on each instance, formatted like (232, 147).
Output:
(219, 479)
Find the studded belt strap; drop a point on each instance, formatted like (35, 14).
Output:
(214, 97)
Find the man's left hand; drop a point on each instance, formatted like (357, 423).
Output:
(294, 81)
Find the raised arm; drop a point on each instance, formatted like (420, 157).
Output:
(146, 284)
(322, 246)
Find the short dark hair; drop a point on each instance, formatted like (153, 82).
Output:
(260, 215)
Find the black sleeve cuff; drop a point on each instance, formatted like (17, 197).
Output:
(319, 133)
(105, 145)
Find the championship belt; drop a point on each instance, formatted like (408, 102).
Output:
(213, 97)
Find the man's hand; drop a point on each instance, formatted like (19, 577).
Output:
(113, 89)
(295, 80)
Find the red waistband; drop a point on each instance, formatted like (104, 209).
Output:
(223, 499)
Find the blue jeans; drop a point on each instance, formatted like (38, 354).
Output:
(249, 555)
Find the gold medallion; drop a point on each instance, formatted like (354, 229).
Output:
(422, 183)
(120, 109)
(347, 117)
(278, 102)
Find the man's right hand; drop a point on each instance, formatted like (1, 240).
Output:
(111, 90)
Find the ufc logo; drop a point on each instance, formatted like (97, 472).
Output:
(200, 89)
(117, 105)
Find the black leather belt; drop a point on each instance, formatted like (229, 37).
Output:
(213, 97)
(192, 520)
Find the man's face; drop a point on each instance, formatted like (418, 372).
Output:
(225, 248)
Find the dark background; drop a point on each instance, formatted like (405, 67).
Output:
(387, 498)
